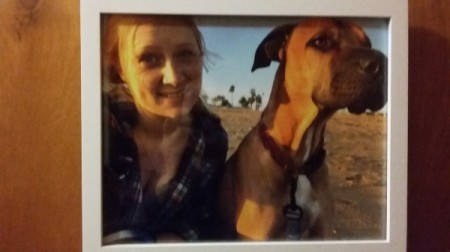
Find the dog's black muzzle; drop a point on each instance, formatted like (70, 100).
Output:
(359, 80)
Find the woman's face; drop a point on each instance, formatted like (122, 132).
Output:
(162, 65)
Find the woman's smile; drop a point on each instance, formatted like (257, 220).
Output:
(171, 94)
(163, 73)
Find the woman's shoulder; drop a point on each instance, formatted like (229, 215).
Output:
(119, 105)
(206, 119)
(211, 126)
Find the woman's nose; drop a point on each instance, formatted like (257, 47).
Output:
(172, 74)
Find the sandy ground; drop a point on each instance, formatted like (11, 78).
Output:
(356, 157)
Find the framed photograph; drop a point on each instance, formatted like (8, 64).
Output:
(244, 82)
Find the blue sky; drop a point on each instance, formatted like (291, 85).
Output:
(232, 42)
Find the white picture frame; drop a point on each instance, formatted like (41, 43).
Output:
(397, 52)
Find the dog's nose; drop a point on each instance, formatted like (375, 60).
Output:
(370, 65)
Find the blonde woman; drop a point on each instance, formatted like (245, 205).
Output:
(164, 153)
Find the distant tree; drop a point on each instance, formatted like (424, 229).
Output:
(231, 92)
(252, 97)
(250, 101)
(243, 101)
(252, 92)
(258, 102)
(220, 100)
(226, 103)
(217, 100)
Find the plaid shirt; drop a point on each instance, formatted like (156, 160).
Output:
(187, 208)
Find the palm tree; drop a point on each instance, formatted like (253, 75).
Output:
(258, 102)
(231, 91)
(252, 97)
(243, 101)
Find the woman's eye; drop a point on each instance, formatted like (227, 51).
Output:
(186, 55)
(150, 60)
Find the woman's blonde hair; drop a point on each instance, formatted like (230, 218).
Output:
(119, 29)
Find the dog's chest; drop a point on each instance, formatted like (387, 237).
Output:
(305, 199)
(283, 226)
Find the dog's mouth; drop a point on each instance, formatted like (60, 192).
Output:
(373, 105)
(360, 81)
(371, 96)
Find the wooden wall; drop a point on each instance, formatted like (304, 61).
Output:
(429, 126)
(40, 148)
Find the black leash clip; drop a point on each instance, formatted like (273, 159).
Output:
(293, 214)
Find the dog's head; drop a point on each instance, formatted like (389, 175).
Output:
(329, 60)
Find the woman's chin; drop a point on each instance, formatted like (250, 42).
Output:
(174, 107)
(177, 112)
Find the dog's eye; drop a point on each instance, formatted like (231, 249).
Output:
(322, 43)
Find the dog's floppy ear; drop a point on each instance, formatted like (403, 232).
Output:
(270, 46)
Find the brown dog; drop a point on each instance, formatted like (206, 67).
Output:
(276, 185)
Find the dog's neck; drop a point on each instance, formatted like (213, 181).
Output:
(297, 125)
(301, 138)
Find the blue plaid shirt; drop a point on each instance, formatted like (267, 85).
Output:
(187, 208)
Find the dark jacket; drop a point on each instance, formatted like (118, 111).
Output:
(188, 207)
